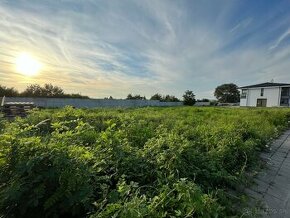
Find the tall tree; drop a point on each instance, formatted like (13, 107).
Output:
(8, 92)
(52, 91)
(189, 98)
(227, 93)
(33, 90)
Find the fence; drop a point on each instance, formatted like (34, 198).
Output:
(202, 103)
(90, 103)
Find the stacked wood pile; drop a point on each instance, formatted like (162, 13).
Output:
(13, 109)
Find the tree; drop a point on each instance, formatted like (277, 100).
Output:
(74, 96)
(129, 96)
(33, 90)
(188, 98)
(109, 98)
(156, 97)
(48, 90)
(170, 98)
(135, 97)
(166, 98)
(8, 92)
(227, 93)
(52, 91)
(213, 102)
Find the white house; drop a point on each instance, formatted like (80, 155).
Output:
(268, 94)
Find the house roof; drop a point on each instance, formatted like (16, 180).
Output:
(268, 84)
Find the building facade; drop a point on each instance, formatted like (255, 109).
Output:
(266, 95)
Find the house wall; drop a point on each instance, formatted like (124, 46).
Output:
(272, 94)
(243, 102)
(90, 103)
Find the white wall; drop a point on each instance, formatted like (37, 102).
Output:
(243, 102)
(272, 94)
(201, 103)
(90, 103)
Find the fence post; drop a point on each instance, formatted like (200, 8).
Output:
(3, 101)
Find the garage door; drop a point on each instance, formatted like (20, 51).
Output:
(261, 102)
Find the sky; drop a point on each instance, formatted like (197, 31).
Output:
(113, 48)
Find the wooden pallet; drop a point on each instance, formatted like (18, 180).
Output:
(14, 109)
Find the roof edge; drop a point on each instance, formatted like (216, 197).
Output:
(266, 85)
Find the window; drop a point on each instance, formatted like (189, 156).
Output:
(285, 92)
(262, 92)
(244, 93)
(284, 101)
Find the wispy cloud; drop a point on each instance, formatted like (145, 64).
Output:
(103, 48)
(241, 25)
(284, 36)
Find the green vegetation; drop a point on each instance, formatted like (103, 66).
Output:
(164, 98)
(189, 98)
(35, 90)
(146, 162)
(135, 97)
(227, 93)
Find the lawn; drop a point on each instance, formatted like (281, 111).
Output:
(145, 162)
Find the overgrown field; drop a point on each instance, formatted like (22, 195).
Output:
(146, 162)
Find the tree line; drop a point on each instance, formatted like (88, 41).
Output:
(157, 96)
(225, 93)
(52, 91)
(35, 90)
(188, 98)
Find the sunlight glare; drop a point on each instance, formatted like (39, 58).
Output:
(27, 65)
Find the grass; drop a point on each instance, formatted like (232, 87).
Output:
(145, 162)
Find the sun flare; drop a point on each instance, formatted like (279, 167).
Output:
(27, 65)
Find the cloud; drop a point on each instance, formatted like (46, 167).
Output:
(103, 48)
(241, 25)
(285, 35)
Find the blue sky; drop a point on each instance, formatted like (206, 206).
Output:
(116, 47)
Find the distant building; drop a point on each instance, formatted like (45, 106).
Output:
(268, 94)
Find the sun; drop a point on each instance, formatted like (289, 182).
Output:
(27, 65)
